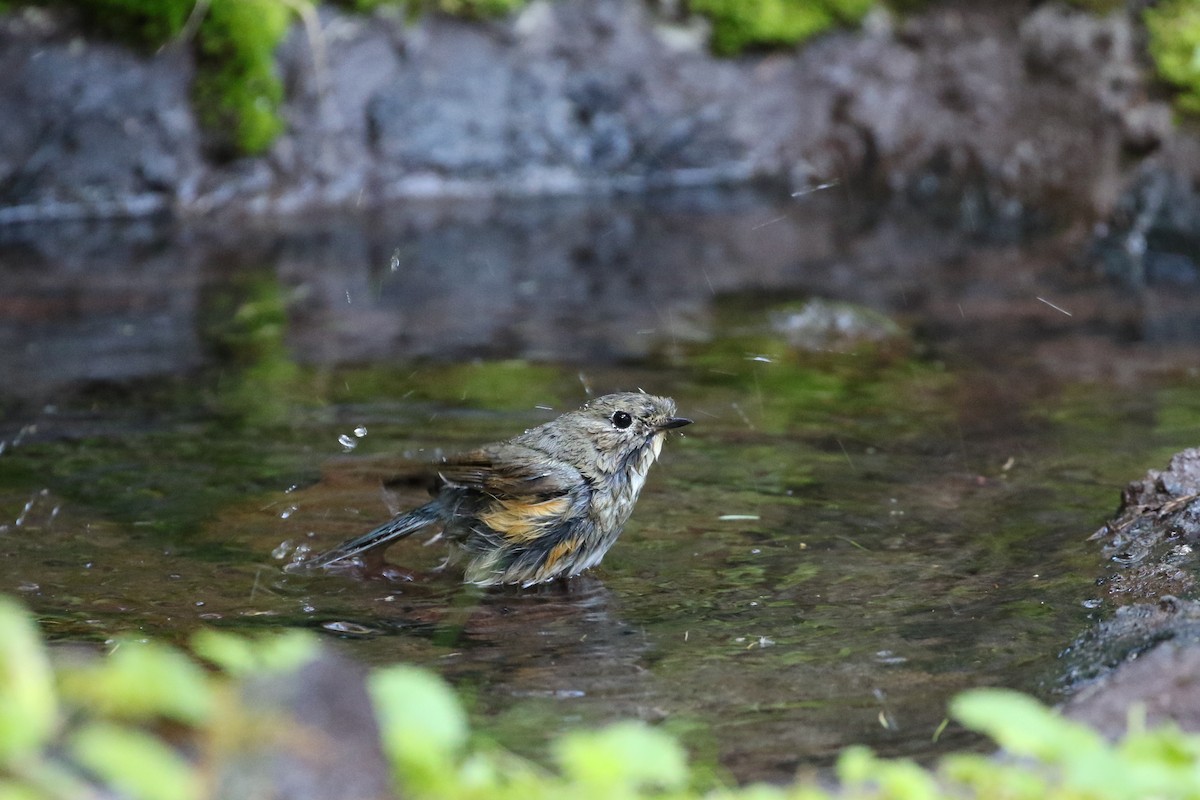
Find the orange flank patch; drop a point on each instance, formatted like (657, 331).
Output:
(519, 521)
(563, 548)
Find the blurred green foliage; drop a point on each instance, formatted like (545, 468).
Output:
(1174, 30)
(741, 24)
(236, 86)
(94, 727)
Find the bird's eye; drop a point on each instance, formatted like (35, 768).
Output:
(621, 419)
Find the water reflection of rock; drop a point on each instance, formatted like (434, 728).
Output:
(570, 281)
(95, 302)
(573, 281)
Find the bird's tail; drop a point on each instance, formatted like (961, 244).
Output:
(392, 530)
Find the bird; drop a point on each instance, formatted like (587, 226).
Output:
(545, 504)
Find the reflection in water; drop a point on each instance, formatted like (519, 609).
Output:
(575, 281)
(845, 539)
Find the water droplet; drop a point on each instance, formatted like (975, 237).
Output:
(347, 442)
(888, 657)
(394, 264)
(282, 549)
(1093, 602)
(287, 512)
(360, 431)
(27, 587)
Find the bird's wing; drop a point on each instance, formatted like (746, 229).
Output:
(511, 471)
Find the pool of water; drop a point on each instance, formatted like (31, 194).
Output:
(854, 530)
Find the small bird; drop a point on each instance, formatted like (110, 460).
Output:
(547, 503)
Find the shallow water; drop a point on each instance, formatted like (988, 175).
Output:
(850, 534)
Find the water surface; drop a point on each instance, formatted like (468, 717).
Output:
(852, 532)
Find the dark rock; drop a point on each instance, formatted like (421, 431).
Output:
(1163, 686)
(1147, 653)
(314, 736)
(1154, 536)
(90, 129)
(1131, 632)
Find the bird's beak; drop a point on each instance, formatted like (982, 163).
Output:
(673, 422)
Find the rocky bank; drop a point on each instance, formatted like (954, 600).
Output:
(1006, 114)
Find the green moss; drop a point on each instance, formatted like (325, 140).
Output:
(1174, 29)
(141, 22)
(741, 24)
(1098, 6)
(474, 9)
(236, 87)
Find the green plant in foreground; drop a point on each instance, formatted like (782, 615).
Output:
(1174, 30)
(97, 721)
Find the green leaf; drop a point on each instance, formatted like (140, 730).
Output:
(28, 706)
(239, 655)
(422, 724)
(15, 791)
(142, 680)
(1023, 726)
(628, 754)
(135, 763)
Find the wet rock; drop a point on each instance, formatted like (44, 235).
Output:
(1148, 652)
(315, 737)
(1154, 536)
(1132, 631)
(1163, 685)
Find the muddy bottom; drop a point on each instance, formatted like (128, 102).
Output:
(865, 519)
